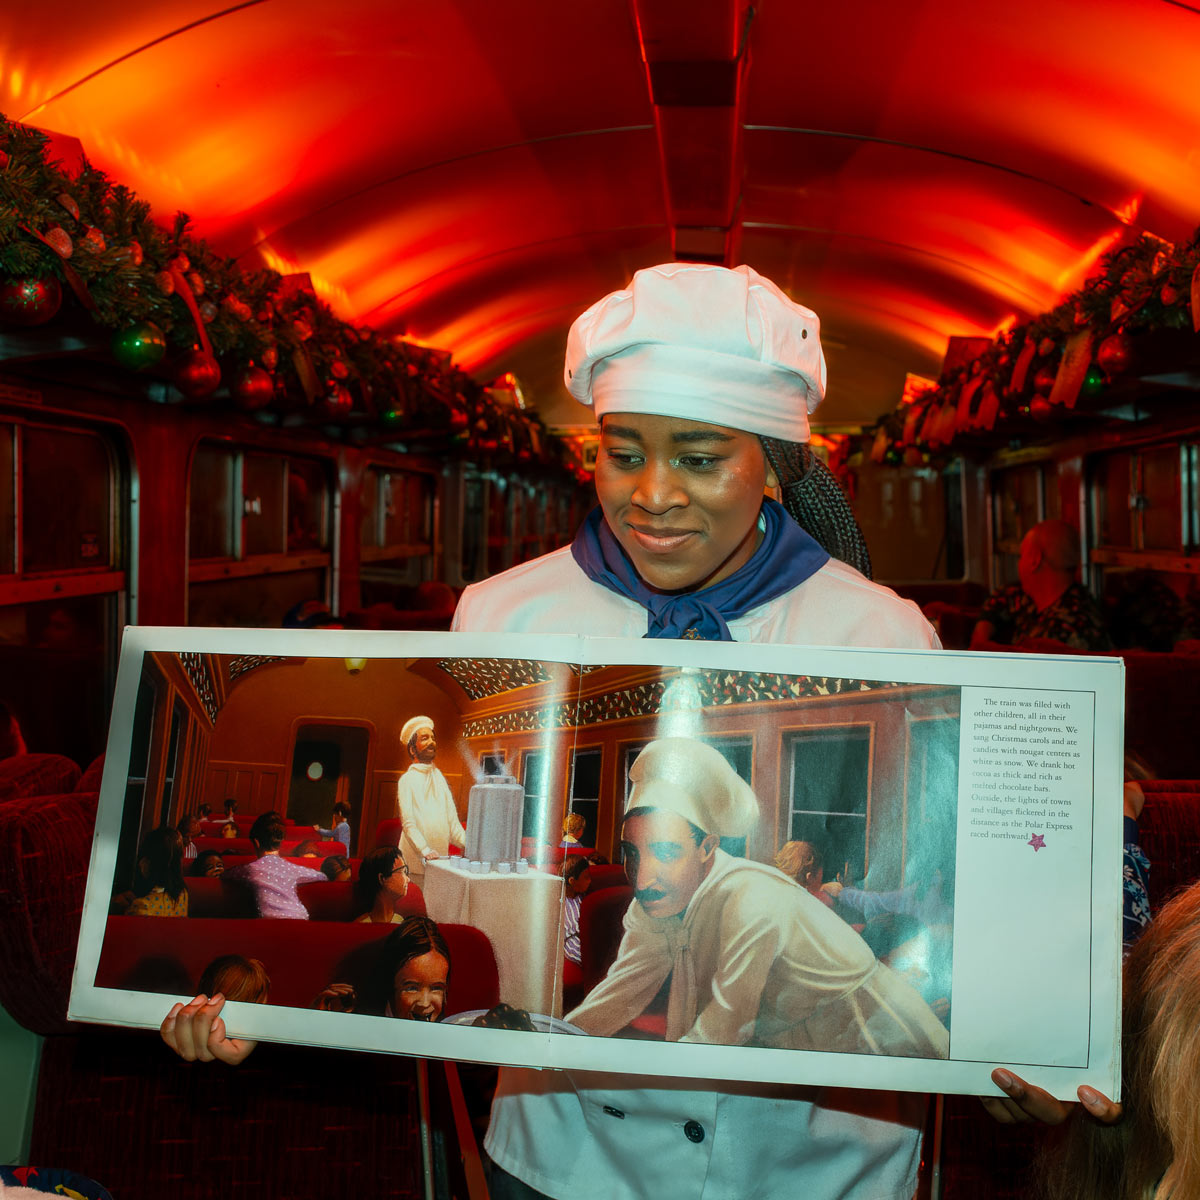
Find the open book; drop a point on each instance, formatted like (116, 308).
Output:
(947, 826)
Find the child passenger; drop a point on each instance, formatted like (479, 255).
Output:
(158, 887)
(274, 879)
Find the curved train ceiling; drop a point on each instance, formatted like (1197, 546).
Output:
(473, 173)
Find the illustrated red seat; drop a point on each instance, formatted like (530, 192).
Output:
(387, 832)
(169, 954)
(337, 902)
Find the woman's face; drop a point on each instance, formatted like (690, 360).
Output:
(681, 497)
(420, 988)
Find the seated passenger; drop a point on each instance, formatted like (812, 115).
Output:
(189, 830)
(572, 827)
(339, 830)
(158, 888)
(1048, 605)
(236, 978)
(274, 879)
(802, 862)
(207, 863)
(336, 868)
(230, 830)
(577, 879)
(1152, 1151)
(411, 977)
(382, 884)
(304, 849)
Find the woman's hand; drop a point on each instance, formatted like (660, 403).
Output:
(1023, 1103)
(196, 1032)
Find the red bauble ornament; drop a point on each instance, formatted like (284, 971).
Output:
(1046, 346)
(3, 160)
(166, 282)
(95, 238)
(197, 375)
(29, 301)
(1040, 409)
(196, 283)
(68, 202)
(338, 401)
(338, 369)
(270, 358)
(1115, 354)
(208, 311)
(1043, 381)
(134, 255)
(1169, 295)
(179, 263)
(253, 389)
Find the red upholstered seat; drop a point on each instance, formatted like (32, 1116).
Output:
(1169, 830)
(219, 897)
(387, 833)
(45, 845)
(336, 901)
(238, 845)
(90, 780)
(168, 954)
(600, 930)
(36, 775)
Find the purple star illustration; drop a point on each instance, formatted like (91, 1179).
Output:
(1037, 842)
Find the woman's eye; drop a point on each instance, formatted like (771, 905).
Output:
(624, 458)
(697, 462)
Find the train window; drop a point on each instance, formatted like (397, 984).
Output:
(830, 789)
(1144, 506)
(65, 529)
(500, 527)
(258, 535)
(62, 586)
(927, 505)
(211, 527)
(1019, 503)
(398, 530)
(473, 546)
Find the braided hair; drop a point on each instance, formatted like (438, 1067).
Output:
(816, 502)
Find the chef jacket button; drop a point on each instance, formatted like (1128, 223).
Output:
(694, 1131)
(614, 1112)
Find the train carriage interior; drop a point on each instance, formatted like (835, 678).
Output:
(284, 292)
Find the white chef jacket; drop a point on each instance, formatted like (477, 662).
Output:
(754, 959)
(574, 1133)
(426, 809)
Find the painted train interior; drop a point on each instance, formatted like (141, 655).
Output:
(397, 211)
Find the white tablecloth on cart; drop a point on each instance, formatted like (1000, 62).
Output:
(522, 917)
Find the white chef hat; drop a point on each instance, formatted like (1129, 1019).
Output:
(705, 343)
(409, 730)
(690, 778)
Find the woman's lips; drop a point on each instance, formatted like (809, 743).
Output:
(660, 541)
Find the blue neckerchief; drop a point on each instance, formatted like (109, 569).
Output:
(784, 559)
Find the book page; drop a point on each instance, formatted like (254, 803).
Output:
(863, 868)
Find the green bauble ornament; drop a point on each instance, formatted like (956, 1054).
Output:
(140, 346)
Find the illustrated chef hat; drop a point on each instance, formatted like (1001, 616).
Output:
(710, 344)
(411, 727)
(695, 781)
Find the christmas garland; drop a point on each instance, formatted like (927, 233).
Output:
(89, 243)
(1041, 369)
